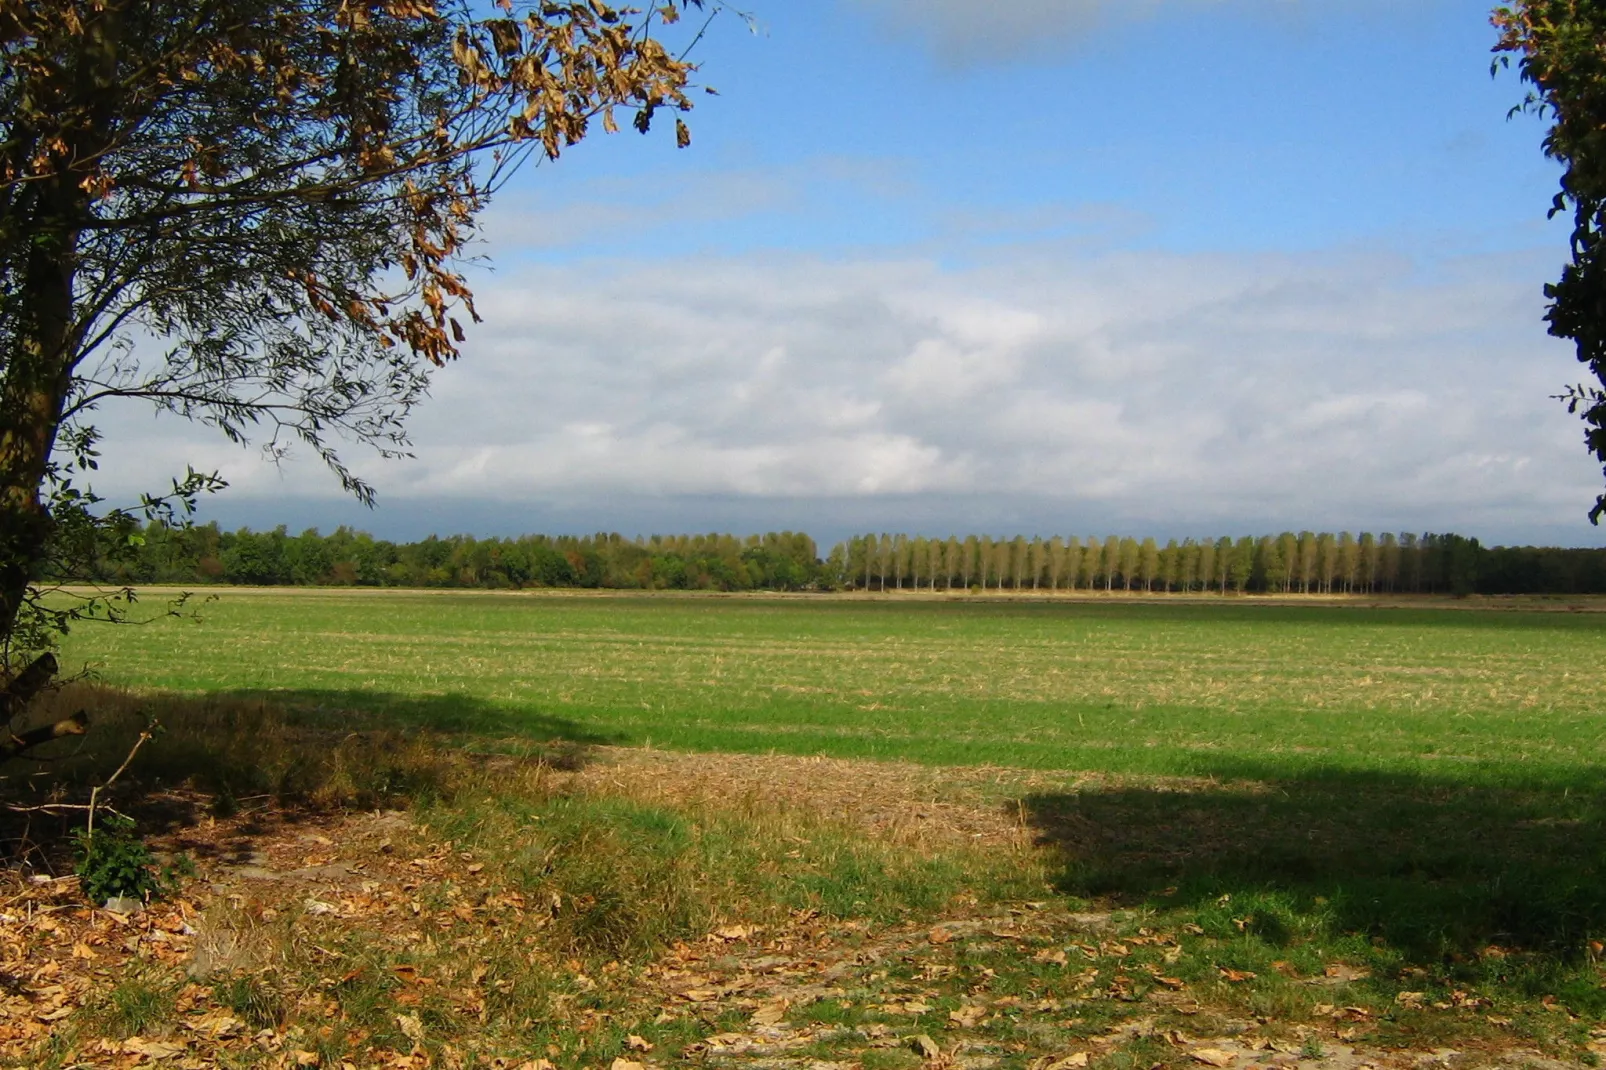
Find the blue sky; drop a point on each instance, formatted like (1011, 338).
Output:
(1038, 266)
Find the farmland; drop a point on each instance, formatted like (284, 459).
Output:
(563, 831)
(1463, 695)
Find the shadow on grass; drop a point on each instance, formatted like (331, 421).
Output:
(291, 753)
(1439, 873)
(452, 713)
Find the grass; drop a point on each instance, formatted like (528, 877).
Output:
(1317, 826)
(1460, 696)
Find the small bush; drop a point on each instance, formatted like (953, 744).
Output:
(114, 862)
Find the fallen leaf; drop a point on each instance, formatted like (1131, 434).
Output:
(1062, 1062)
(537, 1064)
(305, 1058)
(406, 973)
(967, 1015)
(734, 932)
(635, 1043)
(771, 1012)
(939, 936)
(1235, 976)
(82, 950)
(1169, 982)
(1213, 1056)
(626, 1064)
(914, 1006)
(412, 1028)
(699, 995)
(1053, 956)
(152, 1049)
(927, 1047)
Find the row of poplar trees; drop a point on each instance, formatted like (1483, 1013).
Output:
(1307, 562)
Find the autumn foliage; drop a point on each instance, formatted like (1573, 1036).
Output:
(255, 213)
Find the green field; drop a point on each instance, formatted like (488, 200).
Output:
(1465, 695)
(1370, 824)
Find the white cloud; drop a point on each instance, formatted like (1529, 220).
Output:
(1337, 389)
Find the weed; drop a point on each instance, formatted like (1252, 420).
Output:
(114, 862)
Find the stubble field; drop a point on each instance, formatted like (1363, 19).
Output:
(1461, 694)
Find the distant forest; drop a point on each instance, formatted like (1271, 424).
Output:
(1306, 562)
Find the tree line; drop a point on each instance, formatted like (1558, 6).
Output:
(204, 553)
(1303, 563)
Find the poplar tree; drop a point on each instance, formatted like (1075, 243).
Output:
(1092, 563)
(1207, 563)
(1056, 562)
(1243, 563)
(1224, 556)
(1073, 561)
(1148, 562)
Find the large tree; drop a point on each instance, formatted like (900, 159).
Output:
(255, 213)
(1560, 51)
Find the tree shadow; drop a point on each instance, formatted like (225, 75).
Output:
(1439, 872)
(286, 753)
(451, 713)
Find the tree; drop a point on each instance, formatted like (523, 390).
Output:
(1073, 561)
(1243, 563)
(275, 197)
(1224, 562)
(1560, 47)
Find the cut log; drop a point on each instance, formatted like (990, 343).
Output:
(21, 688)
(76, 725)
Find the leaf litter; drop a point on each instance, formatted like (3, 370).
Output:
(1038, 985)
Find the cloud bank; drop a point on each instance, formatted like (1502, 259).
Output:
(1153, 391)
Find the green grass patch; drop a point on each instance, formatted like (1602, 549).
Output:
(1454, 696)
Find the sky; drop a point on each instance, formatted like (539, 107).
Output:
(1149, 267)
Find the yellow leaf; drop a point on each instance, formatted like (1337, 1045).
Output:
(1068, 1062)
(968, 1015)
(770, 1012)
(1213, 1056)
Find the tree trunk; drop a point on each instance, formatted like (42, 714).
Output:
(36, 378)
